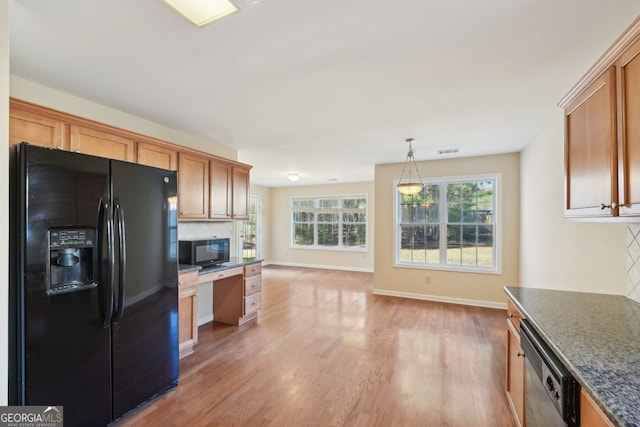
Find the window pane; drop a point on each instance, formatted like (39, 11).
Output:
(454, 244)
(485, 213)
(469, 247)
(327, 217)
(358, 203)
(328, 203)
(354, 235)
(406, 213)
(469, 212)
(454, 212)
(485, 246)
(302, 203)
(354, 217)
(328, 234)
(432, 240)
(303, 234)
(303, 217)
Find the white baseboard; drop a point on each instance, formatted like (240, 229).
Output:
(437, 298)
(321, 266)
(205, 319)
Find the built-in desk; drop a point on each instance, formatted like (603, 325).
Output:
(237, 290)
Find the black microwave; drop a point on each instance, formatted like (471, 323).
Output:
(206, 253)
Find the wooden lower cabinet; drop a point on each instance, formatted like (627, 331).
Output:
(237, 293)
(252, 291)
(590, 414)
(515, 374)
(188, 312)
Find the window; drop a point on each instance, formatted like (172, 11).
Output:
(451, 224)
(329, 222)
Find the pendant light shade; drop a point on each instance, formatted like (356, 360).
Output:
(410, 188)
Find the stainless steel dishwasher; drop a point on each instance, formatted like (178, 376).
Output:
(552, 395)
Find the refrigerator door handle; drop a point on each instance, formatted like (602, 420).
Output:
(105, 221)
(122, 259)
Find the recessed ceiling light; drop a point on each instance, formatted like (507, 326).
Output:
(293, 176)
(201, 12)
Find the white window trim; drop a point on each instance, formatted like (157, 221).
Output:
(454, 268)
(292, 245)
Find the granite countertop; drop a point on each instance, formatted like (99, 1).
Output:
(597, 336)
(233, 262)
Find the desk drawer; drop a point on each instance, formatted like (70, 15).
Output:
(253, 269)
(252, 285)
(220, 274)
(252, 303)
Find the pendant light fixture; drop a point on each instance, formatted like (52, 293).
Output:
(410, 188)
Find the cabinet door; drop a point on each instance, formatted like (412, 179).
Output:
(102, 144)
(591, 150)
(157, 156)
(515, 374)
(36, 130)
(629, 131)
(240, 193)
(193, 186)
(188, 321)
(590, 414)
(220, 190)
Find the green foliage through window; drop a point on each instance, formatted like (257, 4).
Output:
(450, 223)
(329, 222)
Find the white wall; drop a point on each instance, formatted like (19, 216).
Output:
(555, 252)
(4, 195)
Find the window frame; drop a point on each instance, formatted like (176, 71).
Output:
(443, 222)
(340, 211)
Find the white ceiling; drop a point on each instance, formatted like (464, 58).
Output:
(325, 88)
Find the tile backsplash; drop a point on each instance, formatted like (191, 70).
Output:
(633, 261)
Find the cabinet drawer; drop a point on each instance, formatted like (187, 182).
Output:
(252, 303)
(252, 284)
(220, 274)
(253, 269)
(187, 280)
(514, 314)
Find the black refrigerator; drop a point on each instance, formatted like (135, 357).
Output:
(93, 283)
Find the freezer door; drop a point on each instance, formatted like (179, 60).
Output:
(63, 348)
(145, 326)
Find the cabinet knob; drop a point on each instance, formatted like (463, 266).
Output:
(520, 354)
(511, 315)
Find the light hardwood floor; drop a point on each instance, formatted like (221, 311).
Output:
(325, 351)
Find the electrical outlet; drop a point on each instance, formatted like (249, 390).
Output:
(427, 279)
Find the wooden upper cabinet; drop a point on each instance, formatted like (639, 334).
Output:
(193, 186)
(220, 190)
(628, 67)
(240, 199)
(36, 130)
(103, 144)
(591, 150)
(157, 156)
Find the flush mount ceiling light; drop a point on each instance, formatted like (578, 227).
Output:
(410, 188)
(201, 12)
(293, 176)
